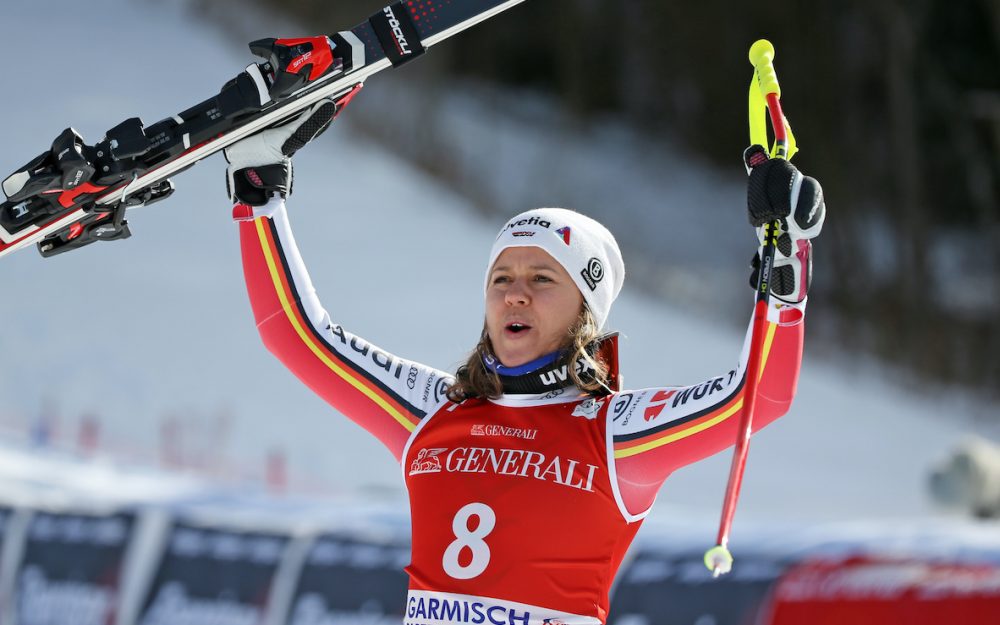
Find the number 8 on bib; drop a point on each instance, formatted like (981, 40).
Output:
(471, 540)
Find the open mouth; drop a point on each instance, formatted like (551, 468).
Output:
(517, 327)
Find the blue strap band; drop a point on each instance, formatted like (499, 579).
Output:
(497, 367)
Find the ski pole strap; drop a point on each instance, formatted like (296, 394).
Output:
(396, 32)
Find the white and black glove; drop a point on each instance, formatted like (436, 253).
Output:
(778, 191)
(260, 166)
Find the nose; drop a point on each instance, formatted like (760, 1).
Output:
(516, 293)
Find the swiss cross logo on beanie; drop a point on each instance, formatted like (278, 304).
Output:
(593, 273)
(583, 247)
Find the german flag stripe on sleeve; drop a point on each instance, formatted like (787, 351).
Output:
(637, 442)
(401, 411)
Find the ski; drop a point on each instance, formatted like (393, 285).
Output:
(75, 194)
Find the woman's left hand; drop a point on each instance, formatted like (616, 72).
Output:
(776, 190)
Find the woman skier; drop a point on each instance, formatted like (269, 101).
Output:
(529, 470)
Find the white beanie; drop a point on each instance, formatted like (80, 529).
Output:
(585, 249)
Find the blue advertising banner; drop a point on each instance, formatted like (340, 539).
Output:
(71, 568)
(209, 576)
(345, 581)
(677, 589)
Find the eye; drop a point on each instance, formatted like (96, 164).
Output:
(542, 278)
(501, 279)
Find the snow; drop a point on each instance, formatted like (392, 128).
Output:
(136, 331)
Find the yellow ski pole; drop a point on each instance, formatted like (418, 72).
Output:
(765, 93)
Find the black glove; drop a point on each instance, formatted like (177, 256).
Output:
(777, 191)
(260, 166)
(775, 187)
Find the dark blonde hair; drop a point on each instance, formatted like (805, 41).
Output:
(474, 379)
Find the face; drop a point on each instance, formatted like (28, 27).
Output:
(531, 302)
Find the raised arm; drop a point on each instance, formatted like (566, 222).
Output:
(381, 392)
(656, 431)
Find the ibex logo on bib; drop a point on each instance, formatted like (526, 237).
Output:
(588, 408)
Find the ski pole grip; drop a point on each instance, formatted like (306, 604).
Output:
(762, 58)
